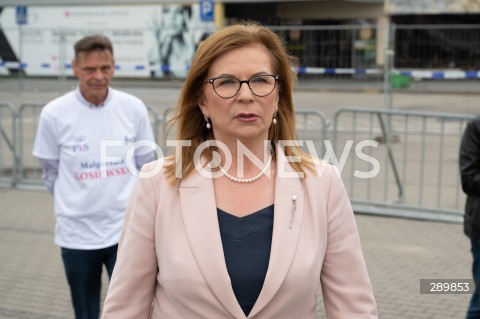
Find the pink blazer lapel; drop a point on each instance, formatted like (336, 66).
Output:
(287, 223)
(197, 200)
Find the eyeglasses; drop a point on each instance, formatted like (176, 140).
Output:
(227, 87)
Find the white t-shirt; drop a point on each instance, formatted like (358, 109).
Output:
(92, 187)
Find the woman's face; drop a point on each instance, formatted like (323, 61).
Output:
(245, 116)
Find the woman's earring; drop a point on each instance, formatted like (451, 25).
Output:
(209, 126)
(274, 121)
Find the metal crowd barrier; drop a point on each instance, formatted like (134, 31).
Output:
(8, 154)
(417, 157)
(155, 121)
(312, 126)
(168, 132)
(415, 154)
(29, 173)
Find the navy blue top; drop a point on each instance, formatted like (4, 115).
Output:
(246, 245)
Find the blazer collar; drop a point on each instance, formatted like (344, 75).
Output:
(197, 200)
(286, 230)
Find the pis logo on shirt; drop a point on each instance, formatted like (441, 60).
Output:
(80, 147)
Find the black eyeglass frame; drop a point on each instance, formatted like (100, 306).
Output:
(276, 77)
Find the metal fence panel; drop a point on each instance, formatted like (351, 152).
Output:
(417, 154)
(155, 122)
(8, 151)
(312, 126)
(29, 171)
(437, 46)
(338, 46)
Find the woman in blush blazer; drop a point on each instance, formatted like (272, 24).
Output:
(239, 223)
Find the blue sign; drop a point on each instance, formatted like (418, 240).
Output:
(21, 15)
(206, 10)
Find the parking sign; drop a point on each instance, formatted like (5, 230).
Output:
(206, 10)
(21, 15)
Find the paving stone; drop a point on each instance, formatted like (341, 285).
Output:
(398, 253)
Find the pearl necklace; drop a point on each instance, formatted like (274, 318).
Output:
(246, 180)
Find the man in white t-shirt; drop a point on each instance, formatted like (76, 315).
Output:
(81, 144)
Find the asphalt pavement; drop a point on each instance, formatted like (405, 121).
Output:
(398, 253)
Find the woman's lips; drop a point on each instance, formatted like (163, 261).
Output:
(244, 117)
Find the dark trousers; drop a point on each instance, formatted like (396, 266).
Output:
(474, 306)
(83, 269)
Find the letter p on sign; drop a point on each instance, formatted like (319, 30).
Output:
(206, 10)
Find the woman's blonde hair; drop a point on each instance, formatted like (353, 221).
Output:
(189, 120)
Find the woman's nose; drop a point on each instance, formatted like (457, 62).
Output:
(244, 92)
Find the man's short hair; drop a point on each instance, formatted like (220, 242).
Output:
(92, 43)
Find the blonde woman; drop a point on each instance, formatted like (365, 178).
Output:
(231, 227)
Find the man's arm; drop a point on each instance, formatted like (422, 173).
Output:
(49, 172)
(470, 158)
